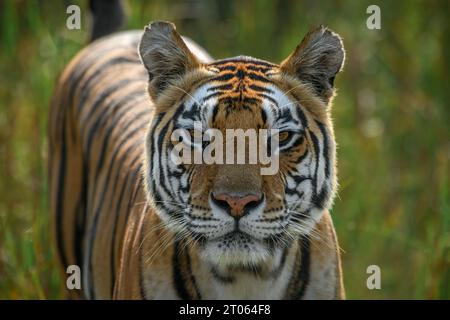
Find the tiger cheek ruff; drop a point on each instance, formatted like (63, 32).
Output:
(141, 226)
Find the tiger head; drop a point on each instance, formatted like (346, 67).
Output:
(236, 216)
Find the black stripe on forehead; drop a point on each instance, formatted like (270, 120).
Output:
(257, 77)
(245, 60)
(212, 95)
(248, 66)
(228, 67)
(224, 77)
(257, 88)
(221, 87)
(241, 74)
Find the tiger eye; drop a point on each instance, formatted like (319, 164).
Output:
(283, 136)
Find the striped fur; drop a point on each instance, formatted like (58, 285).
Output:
(141, 227)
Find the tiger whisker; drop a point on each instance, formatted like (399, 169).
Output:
(140, 203)
(172, 202)
(295, 87)
(159, 226)
(311, 234)
(181, 89)
(166, 241)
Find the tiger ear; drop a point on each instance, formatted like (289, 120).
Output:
(165, 56)
(316, 61)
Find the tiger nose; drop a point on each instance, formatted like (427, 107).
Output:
(237, 205)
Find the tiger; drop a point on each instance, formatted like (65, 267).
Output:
(140, 226)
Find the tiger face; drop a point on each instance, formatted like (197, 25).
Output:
(236, 216)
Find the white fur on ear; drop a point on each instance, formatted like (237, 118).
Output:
(317, 60)
(165, 55)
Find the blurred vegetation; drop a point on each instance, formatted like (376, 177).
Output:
(391, 119)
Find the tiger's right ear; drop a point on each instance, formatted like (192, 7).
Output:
(165, 56)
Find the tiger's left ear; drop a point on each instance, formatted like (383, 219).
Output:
(316, 61)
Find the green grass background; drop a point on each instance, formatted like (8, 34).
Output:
(391, 117)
